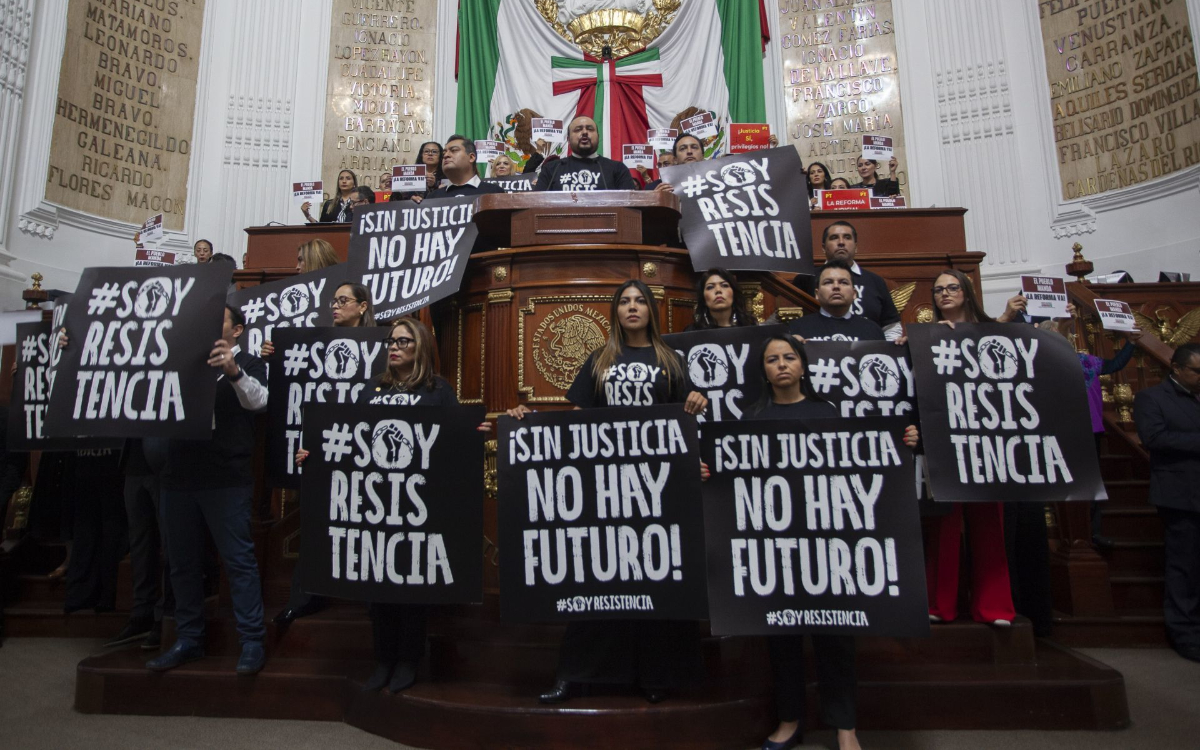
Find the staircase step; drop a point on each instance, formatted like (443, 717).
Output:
(1143, 558)
(1128, 493)
(1116, 466)
(1136, 592)
(1128, 629)
(1131, 524)
(46, 620)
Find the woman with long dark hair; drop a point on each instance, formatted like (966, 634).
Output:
(336, 208)
(790, 395)
(634, 368)
(956, 302)
(352, 308)
(411, 379)
(719, 302)
(868, 173)
(431, 156)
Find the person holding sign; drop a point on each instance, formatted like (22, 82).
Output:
(954, 302)
(818, 179)
(585, 169)
(792, 396)
(839, 183)
(411, 379)
(635, 368)
(431, 156)
(502, 166)
(351, 309)
(719, 302)
(873, 300)
(687, 150)
(458, 164)
(337, 208)
(868, 170)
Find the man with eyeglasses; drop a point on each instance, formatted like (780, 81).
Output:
(1168, 423)
(361, 196)
(836, 320)
(458, 164)
(873, 299)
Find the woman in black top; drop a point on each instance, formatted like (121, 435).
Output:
(336, 208)
(719, 302)
(398, 630)
(635, 368)
(868, 171)
(431, 156)
(791, 396)
(818, 179)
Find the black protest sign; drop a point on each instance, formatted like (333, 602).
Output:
(391, 505)
(747, 212)
(295, 302)
(314, 366)
(517, 183)
(1004, 414)
(599, 517)
(411, 255)
(137, 362)
(862, 378)
(725, 364)
(31, 394)
(812, 527)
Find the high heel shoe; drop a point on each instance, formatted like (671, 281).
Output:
(795, 740)
(560, 693)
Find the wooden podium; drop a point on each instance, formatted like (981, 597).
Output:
(524, 322)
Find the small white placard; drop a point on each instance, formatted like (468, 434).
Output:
(1115, 315)
(662, 139)
(702, 126)
(877, 147)
(408, 178)
(548, 130)
(637, 155)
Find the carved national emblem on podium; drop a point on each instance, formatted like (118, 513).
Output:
(560, 342)
(624, 26)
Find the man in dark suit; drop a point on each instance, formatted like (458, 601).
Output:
(1168, 422)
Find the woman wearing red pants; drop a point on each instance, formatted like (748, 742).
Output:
(955, 301)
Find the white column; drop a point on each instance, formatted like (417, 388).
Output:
(16, 26)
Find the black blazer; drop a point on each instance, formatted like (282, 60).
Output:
(1168, 422)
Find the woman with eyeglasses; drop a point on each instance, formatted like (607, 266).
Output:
(792, 396)
(431, 156)
(719, 302)
(411, 379)
(351, 309)
(955, 302)
(634, 368)
(336, 208)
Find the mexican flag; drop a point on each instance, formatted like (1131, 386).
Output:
(709, 58)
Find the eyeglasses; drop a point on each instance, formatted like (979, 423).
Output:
(337, 302)
(948, 289)
(402, 342)
(1195, 370)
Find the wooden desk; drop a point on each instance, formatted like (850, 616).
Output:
(274, 247)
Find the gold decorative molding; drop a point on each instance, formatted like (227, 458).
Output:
(500, 273)
(684, 302)
(462, 325)
(490, 472)
(649, 270)
(902, 294)
(788, 314)
(758, 306)
(500, 295)
(925, 314)
(20, 501)
(555, 362)
(659, 292)
(1123, 395)
(624, 31)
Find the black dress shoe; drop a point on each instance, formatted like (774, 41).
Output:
(153, 641)
(560, 693)
(134, 630)
(403, 677)
(794, 741)
(378, 678)
(655, 695)
(181, 653)
(1192, 654)
(288, 615)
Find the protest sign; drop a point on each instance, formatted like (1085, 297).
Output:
(31, 394)
(137, 363)
(1116, 315)
(408, 178)
(517, 183)
(854, 199)
(662, 139)
(152, 230)
(877, 147)
(635, 155)
(811, 526)
(314, 366)
(887, 201)
(862, 378)
(485, 151)
(1004, 414)
(307, 192)
(1046, 296)
(411, 255)
(598, 516)
(146, 257)
(295, 302)
(725, 365)
(744, 138)
(702, 126)
(741, 212)
(392, 503)
(547, 129)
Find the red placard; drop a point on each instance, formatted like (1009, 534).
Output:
(744, 137)
(856, 199)
(887, 201)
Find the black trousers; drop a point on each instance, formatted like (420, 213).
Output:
(1181, 596)
(152, 594)
(836, 678)
(654, 654)
(100, 538)
(398, 631)
(1027, 547)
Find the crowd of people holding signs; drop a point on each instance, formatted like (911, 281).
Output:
(769, 478)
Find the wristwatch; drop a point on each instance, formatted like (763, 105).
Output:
(240, 374)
